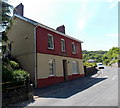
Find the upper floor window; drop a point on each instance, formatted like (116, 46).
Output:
(50, 41)
(73, 48)
(63, 45)
(51, 67)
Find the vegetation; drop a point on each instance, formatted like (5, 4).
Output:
(89, 64)
(106, 57)
(11, 70)
(112, 56)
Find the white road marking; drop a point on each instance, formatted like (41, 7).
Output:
(106, 76)
(113, 77)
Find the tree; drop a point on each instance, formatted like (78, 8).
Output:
(111, 56)
(11, 69)
(6, 21)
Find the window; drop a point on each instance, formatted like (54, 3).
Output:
(63, 45)
(51, 67)
(50, 42)
(75, 67)
(73, 48)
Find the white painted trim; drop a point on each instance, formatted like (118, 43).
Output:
(64, 45)
(74, 47)
(25, 19)
(53, 67)
(52, 41)
(43, 26)
(46, 27)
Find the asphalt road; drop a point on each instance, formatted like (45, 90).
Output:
(98, 90)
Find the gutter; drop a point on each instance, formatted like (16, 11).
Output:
(35, 56)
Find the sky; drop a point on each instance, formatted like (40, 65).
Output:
(95, 22)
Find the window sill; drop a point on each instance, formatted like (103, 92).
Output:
(74, 53)
(51, 75)
(74, 73)
(63, 51)
(50, 48)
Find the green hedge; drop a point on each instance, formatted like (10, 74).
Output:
(14, 76)
(20, 75)
(89, 64)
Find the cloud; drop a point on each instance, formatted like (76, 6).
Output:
(113, 3)
(112, 35)
(101, 27)
(82, 23)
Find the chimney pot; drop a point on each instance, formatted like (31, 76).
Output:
(19, 9)
(61, 29)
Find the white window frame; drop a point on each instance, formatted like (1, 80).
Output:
(62, 45)
(73, 48)
(52, 41)
(52, 68)
(75, 67)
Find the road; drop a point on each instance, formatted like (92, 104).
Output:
(99, 90)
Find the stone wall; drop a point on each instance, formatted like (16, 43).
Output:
(90, 71)
(17, 94)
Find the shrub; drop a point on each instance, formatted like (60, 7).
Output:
(113, 61)
(14, 65)
(89, 64)
(20, 75)
(6, 75)
(14, 76)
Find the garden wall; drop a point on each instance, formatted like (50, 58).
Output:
(17, 94)
(90, 71)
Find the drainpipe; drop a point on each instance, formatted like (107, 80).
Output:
(35, 55)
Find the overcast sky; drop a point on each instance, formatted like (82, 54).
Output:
(95, 22)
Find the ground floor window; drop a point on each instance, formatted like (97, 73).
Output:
(75, 69)
(51, 67)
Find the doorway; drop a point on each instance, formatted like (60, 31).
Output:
(65, 70)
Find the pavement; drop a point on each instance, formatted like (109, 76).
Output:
(100, 89)
(40, 92)
(54, 89)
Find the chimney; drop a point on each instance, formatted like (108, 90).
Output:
(61, 29)
(19, 9)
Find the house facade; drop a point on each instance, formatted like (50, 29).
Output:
(49, 55)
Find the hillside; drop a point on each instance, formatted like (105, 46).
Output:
(106, 57)
(94, 55)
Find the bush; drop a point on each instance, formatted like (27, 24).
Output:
(113, 61)
(14, 76)
(14, 65)
(6, 75)
(20, 75)
(89, 64)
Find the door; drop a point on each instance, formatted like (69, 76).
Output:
(65, 70)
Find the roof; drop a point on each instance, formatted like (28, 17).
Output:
(44, 26)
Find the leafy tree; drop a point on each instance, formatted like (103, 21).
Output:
(111, 56)
(11, 70)
(107, 57)
(6, 21)
(94, 55)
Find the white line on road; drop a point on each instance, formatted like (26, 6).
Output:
(113, 77)
(105, 76)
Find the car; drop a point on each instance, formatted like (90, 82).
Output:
(100, 66)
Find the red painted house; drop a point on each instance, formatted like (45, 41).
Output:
(49, 55)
